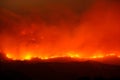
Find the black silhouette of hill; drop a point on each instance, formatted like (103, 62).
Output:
(87, 70)
(60, 69)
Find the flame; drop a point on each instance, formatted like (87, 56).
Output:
(69, 54)
(8, 56)
(28, 57)
(111, 54)
(59, 31)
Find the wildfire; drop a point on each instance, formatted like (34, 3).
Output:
(57, 31)
(74, 56)
(27, 57)
(8, 56)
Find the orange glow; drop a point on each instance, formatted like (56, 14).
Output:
(112, 54)
(44, 58)
(58, 31)
(100, 56)
(9, 56)
(94, 57)
(73, 55)
(29, 57)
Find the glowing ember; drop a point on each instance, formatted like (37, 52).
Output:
(29, 57)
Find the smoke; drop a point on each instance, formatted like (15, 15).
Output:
(54, 28)
(103, 22)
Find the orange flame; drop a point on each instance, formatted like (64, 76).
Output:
(61, 32)
(70, 54)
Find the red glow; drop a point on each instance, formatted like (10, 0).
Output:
(61, 32)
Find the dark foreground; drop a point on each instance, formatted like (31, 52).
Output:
(88, 70)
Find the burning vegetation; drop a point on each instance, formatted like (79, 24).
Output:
(91, 31)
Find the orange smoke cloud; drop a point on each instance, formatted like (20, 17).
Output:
(59, 32)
